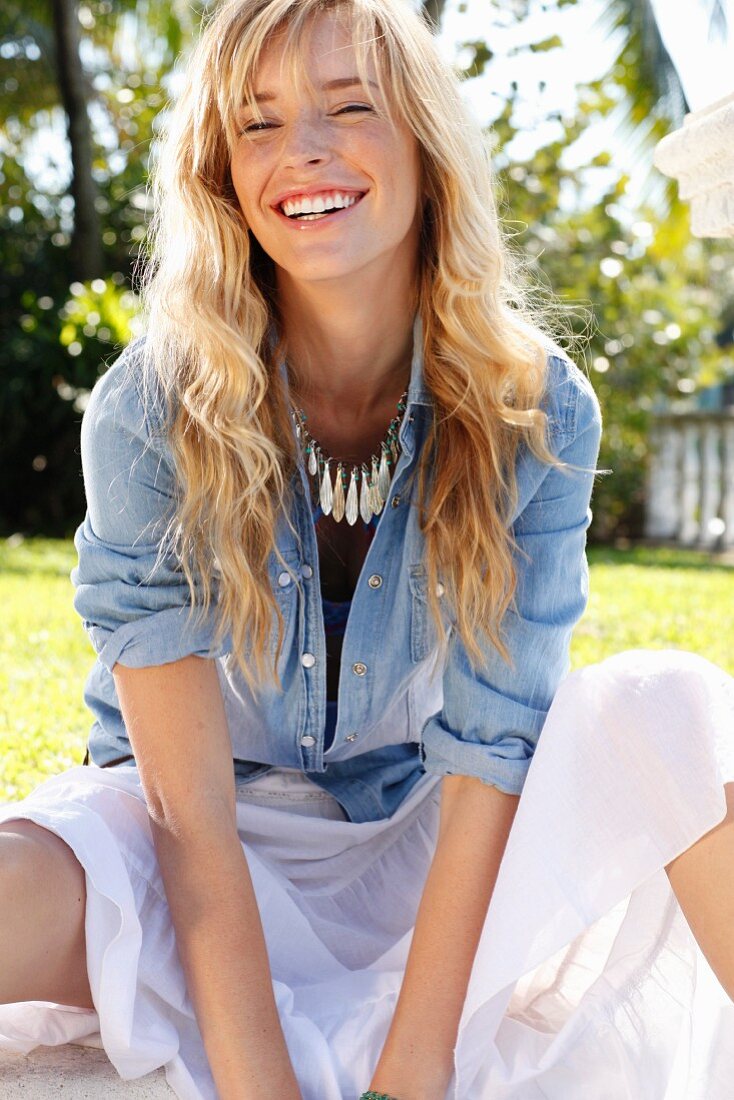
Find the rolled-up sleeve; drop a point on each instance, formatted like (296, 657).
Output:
(492, 717)
(134, 605)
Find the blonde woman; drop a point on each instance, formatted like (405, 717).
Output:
(333, 555)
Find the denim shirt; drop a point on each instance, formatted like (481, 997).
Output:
(400, 713)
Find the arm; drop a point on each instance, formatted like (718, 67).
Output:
(417, 1059)
(174, 715)
(134, 607)
(482, 742)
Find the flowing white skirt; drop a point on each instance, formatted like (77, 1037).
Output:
(585, 981)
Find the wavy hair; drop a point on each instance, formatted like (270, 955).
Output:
(208, 290)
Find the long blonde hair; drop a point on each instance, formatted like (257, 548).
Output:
(208, 289)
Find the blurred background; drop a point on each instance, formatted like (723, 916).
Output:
(577, 93)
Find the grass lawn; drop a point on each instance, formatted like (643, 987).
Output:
(646, 598)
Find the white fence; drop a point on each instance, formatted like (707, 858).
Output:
(690, 489)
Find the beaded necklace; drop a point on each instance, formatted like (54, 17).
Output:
(368, 486)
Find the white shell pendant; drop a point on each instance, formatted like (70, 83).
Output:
(352, 509)
(365, 500)
(377, 498)
(383, 477)
(365, 508)
(325, 494)
(337, 507)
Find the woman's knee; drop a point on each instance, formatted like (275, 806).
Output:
(33, 857)
(663, 696)
(42, 917)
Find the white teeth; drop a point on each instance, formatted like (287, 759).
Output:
(317, 204)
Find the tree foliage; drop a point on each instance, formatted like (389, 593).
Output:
(51, 350)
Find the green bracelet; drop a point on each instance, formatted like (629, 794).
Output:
(376, 1096)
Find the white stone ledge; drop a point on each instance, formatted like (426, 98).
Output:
(700, 156)
(77, 1072)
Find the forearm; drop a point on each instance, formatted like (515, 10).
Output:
(222, 948)
(417, 1059)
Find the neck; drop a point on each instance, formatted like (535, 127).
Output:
(347, 350)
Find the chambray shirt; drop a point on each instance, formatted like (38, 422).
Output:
(400, 712)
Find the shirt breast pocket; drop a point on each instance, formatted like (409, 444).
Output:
(423, 636)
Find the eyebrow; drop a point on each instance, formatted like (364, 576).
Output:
(337, 82)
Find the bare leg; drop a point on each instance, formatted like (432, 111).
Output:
(702, 878)
(43, 953)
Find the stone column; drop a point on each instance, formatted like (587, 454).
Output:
(690, 528)
(710, 484)
(727, 507)
(663, 497)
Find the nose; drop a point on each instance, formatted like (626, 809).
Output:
(306, 142)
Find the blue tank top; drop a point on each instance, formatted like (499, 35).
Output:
(336, 613)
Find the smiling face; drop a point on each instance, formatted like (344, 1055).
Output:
(329, 148)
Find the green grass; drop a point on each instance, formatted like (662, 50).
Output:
(639, 598)
(656, 599)
(44, 659)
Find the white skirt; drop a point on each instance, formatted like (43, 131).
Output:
(584, 984)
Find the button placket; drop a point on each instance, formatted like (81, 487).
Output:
(313, 680)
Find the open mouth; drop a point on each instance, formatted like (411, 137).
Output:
(291, 211)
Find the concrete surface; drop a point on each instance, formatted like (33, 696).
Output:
(78, 1072)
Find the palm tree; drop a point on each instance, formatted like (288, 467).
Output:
(44, 70)
(649, 74)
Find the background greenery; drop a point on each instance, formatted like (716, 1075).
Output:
(655, 302)
(653, 599)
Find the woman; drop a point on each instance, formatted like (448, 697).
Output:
(333, 555)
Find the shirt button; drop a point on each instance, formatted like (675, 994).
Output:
(308, 741)
(308, 660)
(440, 589)
(306, 571)
(375, 580)
(358, 668)
(351, 737)
(395, 500)
(284, 579)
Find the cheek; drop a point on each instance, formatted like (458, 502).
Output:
(404, 179)
(245, 183)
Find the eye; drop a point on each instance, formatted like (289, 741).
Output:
(354, 107)
(254, 127)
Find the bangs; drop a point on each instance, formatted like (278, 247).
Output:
(291, 24)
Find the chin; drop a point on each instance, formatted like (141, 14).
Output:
(324, 272)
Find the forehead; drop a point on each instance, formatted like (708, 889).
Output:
(328, 45)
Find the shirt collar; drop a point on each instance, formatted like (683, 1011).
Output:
(418, 394)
